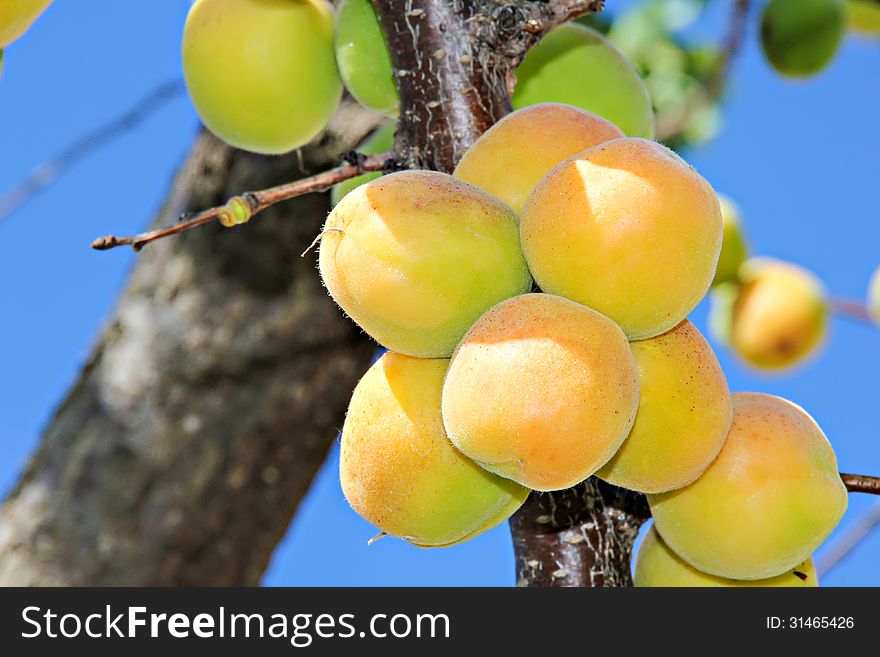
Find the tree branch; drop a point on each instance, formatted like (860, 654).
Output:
(856, 483)
(46, 173)
(241, 209)
(851, 309)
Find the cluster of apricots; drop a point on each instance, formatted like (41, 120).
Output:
(490, 389)
(267, 75)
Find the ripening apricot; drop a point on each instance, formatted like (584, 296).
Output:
(657, 565)
(765, 504)
(627, 228)
(16, 16)
(863, 17)
(398, 469)
(874, 297)
(684, 414)
(734, 249)
(779, 317)
(262, 73)
(800, 37)
(542, 390)
(378, 142)
(574, 64)
(363, 57)
(416, 257)
(512, 156)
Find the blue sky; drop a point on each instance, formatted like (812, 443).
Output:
(801, 159)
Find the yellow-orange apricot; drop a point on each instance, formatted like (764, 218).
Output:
(684, 414)
(512, 156)
(765, 504)
(16, 16)
(657, 565)
(541, 390)
(779, 317)
(400, 472)
(627, 228)
(416, 257)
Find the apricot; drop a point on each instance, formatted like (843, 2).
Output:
(380, 141)
(398, 469)
(800, 37)
(734, 249)
(657, 565)
(512, 156)
(874, 297)
(863, 17)
(626, 228)
(574, 64)
(541, 390)
(262, 73)
(779, 318)
(363, 57)
(765, 504)
(416, 257)
(684, 414)
(16, 16)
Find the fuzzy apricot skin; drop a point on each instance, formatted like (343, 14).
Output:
(658, 566)
(262, 73)
(541, 390)
(512, 156)
(400, 472)
(765, 504)
(416, 257)
(16, 16)
(575, 64)
(779, 317)
(626, 228)
(684, 415)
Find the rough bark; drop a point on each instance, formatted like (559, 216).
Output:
(208, 403)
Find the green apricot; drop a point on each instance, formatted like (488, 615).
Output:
(576, 65)
(734, 249)
(363, 57)
(261, 73)
(380, 141)
(800, 37)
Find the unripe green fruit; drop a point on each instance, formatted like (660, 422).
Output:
(262, 73)
(874, 297)
(378, 142)
(734, 249)
(399, 470)
(363, 57)
(765, 504)
(415, 257)
(800, 37)
(657, 565)
(576, 65)
(16, 16)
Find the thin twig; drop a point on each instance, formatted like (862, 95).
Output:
(856, 483)
(847, 541)
(850, 309)
(46, 173)
(241, 209)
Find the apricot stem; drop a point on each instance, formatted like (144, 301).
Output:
(856, 483)
(256, 201)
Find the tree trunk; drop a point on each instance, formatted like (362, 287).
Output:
(209, 401)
